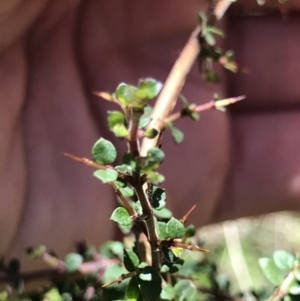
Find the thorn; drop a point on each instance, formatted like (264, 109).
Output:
(185, 217)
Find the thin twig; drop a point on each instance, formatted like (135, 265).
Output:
(205, 107)
(91, 163)
(176, 79)
(186, 216)
(124, 200)
(283, 288)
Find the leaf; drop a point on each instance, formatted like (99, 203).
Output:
(159, 198)
(148, 88)
(121, 216)
(190, 231)
(156, 154)
(131, 260)
(104, 152)
(115, 118)
(155, 178)
(111, 249)
(106, 176)
(53, 295)
(175, 228)
(163, 213)
(209, 38)
(129, 161)
(185, 290)
(112, 272)
(283, 260)
(133, 292)
(138, 207)
(151, 133)
(73, 262)
(215, 30)
(150, 283)
(126, 94)
(176, 133)
(271, 271)
(144, 121)
(162, 230)
(120, 131)
(127, 191)
(294, 288)
(297, 270)
(212, 77)
(168, 292)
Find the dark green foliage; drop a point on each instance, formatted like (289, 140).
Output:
(104, 152)
(131, 260)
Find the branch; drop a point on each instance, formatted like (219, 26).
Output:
(205, 107)
(176, 79)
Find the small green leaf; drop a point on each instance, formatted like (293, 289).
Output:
(148, 88)
(138, 207)
(163, 213)
(151, 133)
(177, 251)
(185, 290)
(203, 19)
(111, 249)
(111, 273)
(162, 230)
(176, 133)
(283, 260)
(175, 228)
(195, 116)
(133, 292)
(131, 260)
(73, 262)
(127, 191)
(53, 295)
(144, 121)
(115, 118)
(156, 154)
(106, 176)
(126, 94)
(209, 38)
(159, 198)
(129, 161)
(168, 292)
(297, 270)
(121, 216)
(155, 178)
(212, 77)
(190, 231)
(294, 288)
(150, 283)
(215, 30)
(104, 152)
(271, 271)
(120, 131)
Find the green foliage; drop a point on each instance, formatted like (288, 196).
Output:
(73, 262)
(175, 228)
(104, 152)
(176, 133)
(121, 216)
(131, 260)
(150, 263)
(106, 176)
